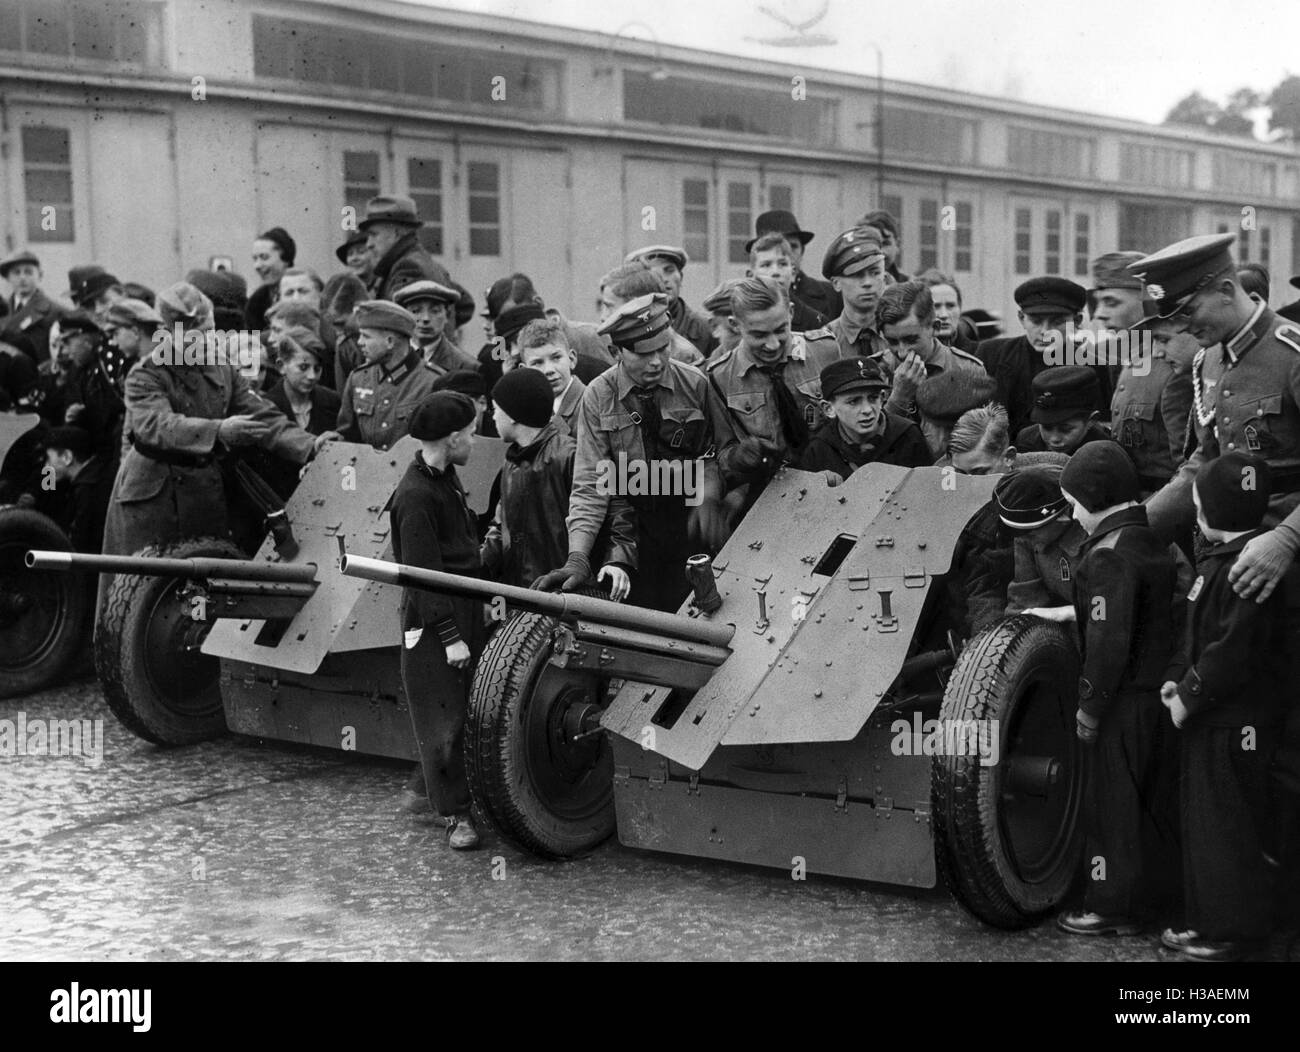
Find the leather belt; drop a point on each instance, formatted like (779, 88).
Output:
(171, 457)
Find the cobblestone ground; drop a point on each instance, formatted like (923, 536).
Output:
(236, 850)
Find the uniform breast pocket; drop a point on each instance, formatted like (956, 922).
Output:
(619, 433)
(1263, 427)
(1134, 426)
(363, 403)
(404, 412)
(682, 432)
(748, 410)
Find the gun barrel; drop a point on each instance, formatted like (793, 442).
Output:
(190, 569)
(556, 604)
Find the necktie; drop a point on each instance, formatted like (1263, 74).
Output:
(793, 425)
(651, 421)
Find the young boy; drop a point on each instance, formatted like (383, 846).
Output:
(1226, 694)
(858, 429)
(769, 257)
(528, 535)
(72, 461)
(1123, 601)
(544, 346)
(432, 527)
(1046, 543)
(1064, 411)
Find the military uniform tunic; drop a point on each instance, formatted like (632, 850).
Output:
(378, 403)
(1149, 413)
(864, 342)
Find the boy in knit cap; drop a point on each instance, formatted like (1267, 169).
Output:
(433, 528)
(528, 535)
(1123, 600)
(1226, 694)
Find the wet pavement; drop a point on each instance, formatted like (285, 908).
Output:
(239, 850)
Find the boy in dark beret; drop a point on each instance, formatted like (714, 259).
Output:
(1227, 694)
(858, 428)
(433, 527)
(1123, 600)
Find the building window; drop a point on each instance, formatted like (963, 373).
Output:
(686, 103)
(1082, 242)
(360, 178)
(962, 259)
(1145, 228)
(484, 208)
(424, 183)
(1244, 175)
(47, 184)
(126, 32)
(1052, 260)
(408, 63)
(780, 198)
(929, 247)
(893, 204)
(739, 219)
(1265, 247)
(1024, 240)
(695, 218)
(1243, 256)
(1155, 165)
(939, 136)
(1051, 153)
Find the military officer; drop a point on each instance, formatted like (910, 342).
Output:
(855, 265)
(771, 381)
(179, 419)
(429, 302)
(668, 262)
(649, 417)
(819, 296)
(382, 394)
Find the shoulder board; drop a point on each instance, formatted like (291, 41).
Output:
(958, 353)
(721, 359)
(798, 347)
(1289, 334)
(823, 333)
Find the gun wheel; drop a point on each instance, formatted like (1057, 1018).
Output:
(540, 770)
(1008, 836)
(44, 614)
(147, 652)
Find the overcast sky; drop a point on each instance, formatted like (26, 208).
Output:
(1124, 58)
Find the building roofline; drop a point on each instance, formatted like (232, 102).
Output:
(566, 36)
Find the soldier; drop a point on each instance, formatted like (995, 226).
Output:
(1065, 411)
(819, 296)
(1050, 311)
(382, 394)
(855, 265)
(430, 303)
(770, 383)
(632, 281)
(905, 320)
(179, 418)
(31, 312)
(649, 418)
(668, 262)
(433, 528)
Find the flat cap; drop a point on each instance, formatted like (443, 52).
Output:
(1111, 271)
(1234, 490)
(946, 395)
(380, 314)
(1179, 271)
(1050, 296)
(14, 259)
(509, 323)
(1063, 391)
(852, 251)
(640, 325)
(1030, 497)
(79, 321)
(93, 287)
(852, 374)
(719, 300)
(1100, 475)
(390, 209)
(442, 413)
(668, 252)
(133, 312)
(425, 290)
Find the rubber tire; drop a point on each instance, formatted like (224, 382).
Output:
(120, 643)
(22, 529)
(495, 757)
(970, 847)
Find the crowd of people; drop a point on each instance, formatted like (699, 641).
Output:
(1146, 431)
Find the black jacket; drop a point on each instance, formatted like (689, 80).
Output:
(1030, 439)
(819, 296)
(1124, 607)
(902, 444)
(324, 407)
(1013, 362)
(88, 507)
(432, 527)
(1234, 662)
(404, 263)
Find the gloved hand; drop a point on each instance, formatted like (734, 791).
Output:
(1173, 701)
(575, 573)
(707, 524)
(1086, 727)
(752, 455)
(1260, 566)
